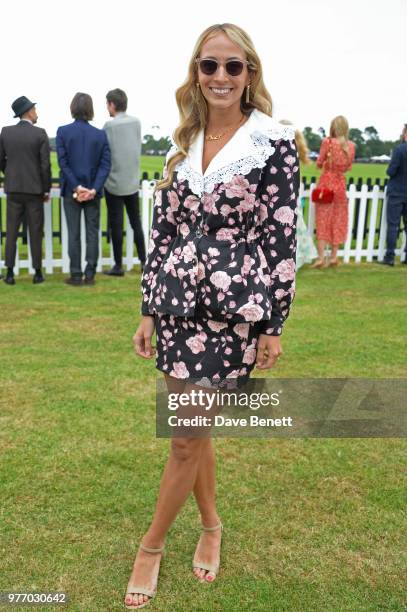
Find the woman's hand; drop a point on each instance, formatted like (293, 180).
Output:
(268, 351)
(142, 337)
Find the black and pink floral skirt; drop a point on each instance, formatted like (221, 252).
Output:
(206, 352)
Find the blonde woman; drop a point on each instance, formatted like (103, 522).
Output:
(335, 158)
(306, 251)
(219, 277)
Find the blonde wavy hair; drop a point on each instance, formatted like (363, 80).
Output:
(192, 106)
(302, 148)
(339, 129)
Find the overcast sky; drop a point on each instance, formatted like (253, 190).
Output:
(320, 58)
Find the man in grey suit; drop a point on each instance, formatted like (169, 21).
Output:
(25, 161)
(122, 185)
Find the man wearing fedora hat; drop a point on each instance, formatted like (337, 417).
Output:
(25, 162)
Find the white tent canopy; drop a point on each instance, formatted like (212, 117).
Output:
(380, 158)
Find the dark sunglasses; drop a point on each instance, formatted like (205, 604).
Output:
(234, 67)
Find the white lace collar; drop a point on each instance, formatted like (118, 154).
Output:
(250, 147)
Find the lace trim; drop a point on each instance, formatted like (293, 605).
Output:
(195, 180)
(280, 132)
(205, 184)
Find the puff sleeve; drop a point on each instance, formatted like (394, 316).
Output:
(278, 223)
(163, 230)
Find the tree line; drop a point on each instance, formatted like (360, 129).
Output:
(368, 142)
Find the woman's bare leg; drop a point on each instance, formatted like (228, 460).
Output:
(205, 484)
(321, 244)
(205, 493)
(334, 252)
(177, 482)
(319, 262)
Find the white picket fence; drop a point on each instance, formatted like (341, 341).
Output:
(372, 205)
(367, 245)
(52, 263)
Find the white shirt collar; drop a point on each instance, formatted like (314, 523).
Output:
(250, 147)
(241, 144)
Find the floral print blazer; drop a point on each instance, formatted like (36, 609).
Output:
(222, 243)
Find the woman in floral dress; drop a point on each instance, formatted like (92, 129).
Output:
(219, 276)
(335, 158)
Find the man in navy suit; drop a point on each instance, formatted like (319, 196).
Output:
(396, 198)
(84, 161)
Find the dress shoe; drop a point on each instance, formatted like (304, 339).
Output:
(10, 280)
(115, 271)
(38, 278)
(387, 262)
(89, 280)
(75, 281)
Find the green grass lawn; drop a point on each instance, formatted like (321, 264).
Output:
(358, 171)
(151, 164)
(310, 524)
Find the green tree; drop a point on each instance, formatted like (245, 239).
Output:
(371, 133)
(164, 144)
(313, 140)
(356, 136)
(151, 146)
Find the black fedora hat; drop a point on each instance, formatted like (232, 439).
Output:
(21, 106)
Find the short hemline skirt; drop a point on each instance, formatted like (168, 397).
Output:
(209, 353)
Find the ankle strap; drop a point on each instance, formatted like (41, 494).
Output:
(220, 526)
(151, 550)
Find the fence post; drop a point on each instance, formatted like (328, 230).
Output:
(64, 239)
(372, 223)
(146, 189)
(383, 229)
(48, 260)
(351, 212)
(129, 245)
(361, 224)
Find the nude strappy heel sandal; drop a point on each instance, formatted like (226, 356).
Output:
(319, 263)
(210, 567)
(142, 590)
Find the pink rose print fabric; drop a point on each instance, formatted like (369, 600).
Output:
(209, 353)
(222, 266)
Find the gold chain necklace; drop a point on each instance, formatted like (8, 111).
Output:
(222, 134)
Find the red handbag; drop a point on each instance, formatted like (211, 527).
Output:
(324, 195)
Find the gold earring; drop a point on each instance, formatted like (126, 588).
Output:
(248, 94)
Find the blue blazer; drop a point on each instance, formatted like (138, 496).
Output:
(397, 171)
(83, 156)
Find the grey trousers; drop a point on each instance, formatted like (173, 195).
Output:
(33, 206)
(73, 213)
